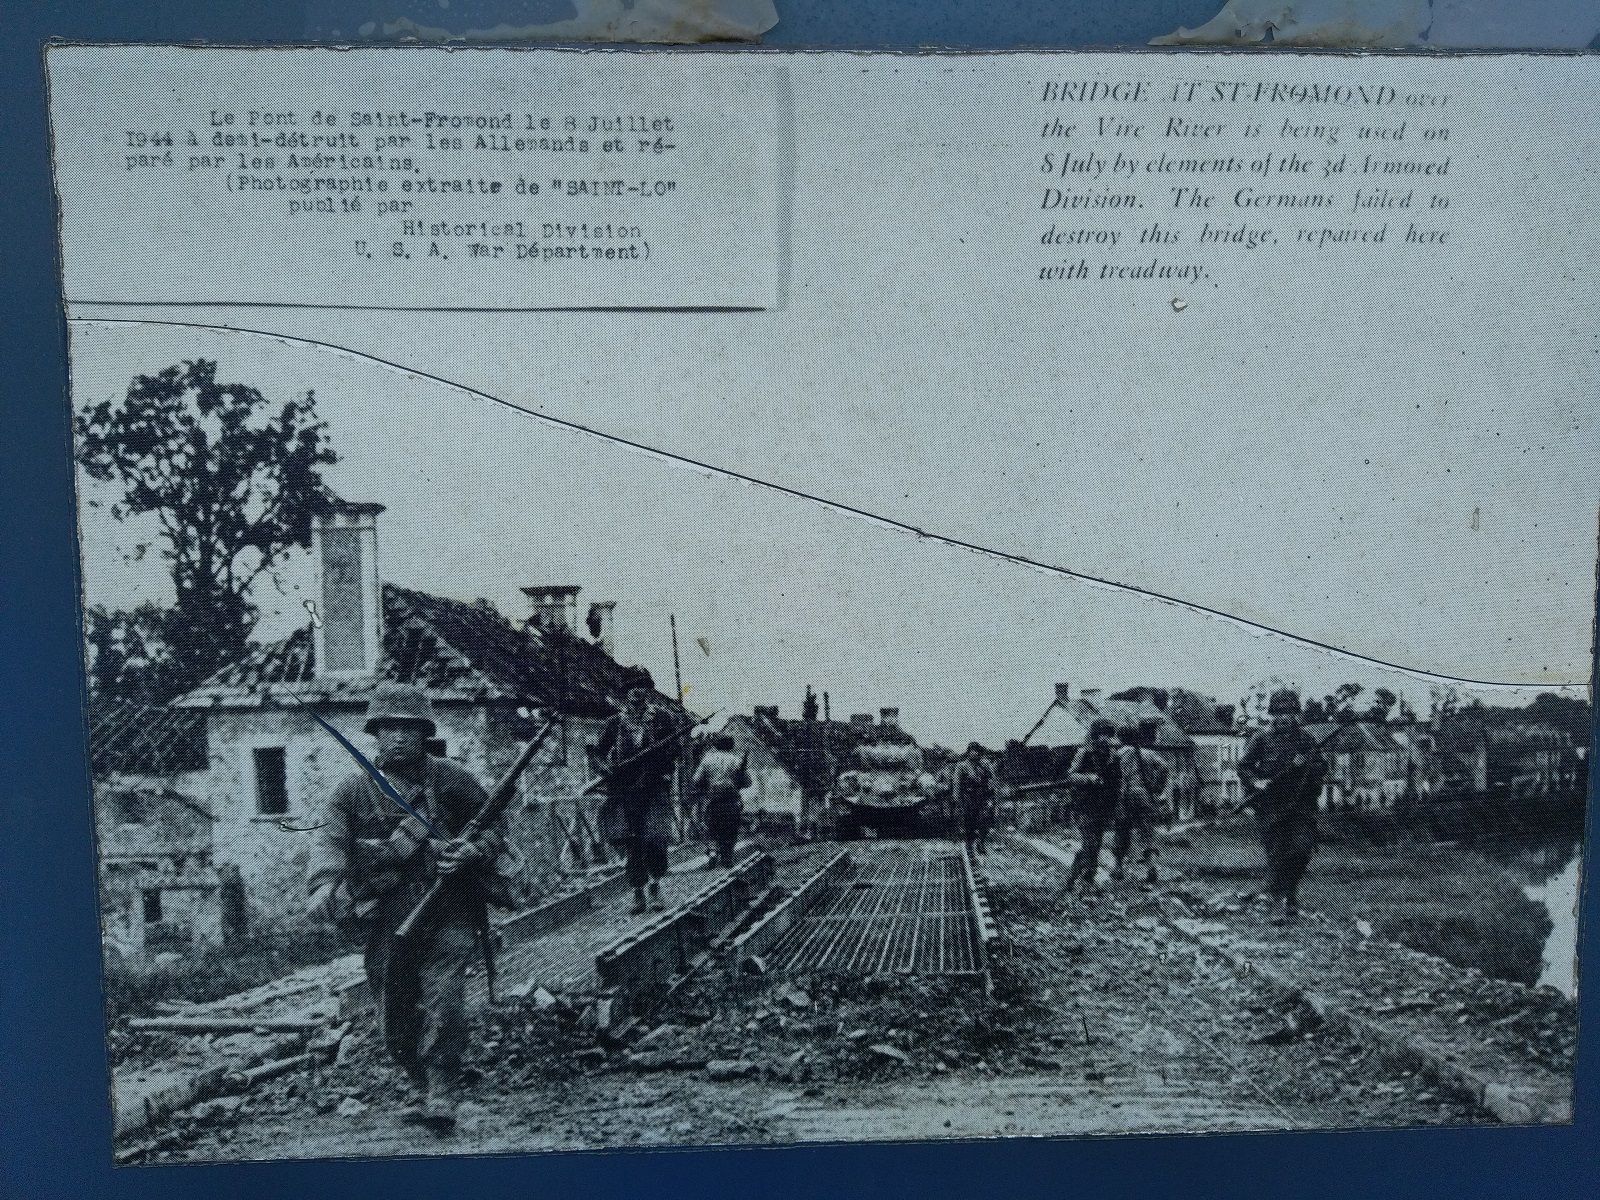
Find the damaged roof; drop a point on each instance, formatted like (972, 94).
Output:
(798, 743)
(141, 739)
(457, 651)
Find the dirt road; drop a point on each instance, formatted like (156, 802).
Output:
(1102, 1020)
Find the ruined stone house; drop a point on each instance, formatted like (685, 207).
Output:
(159, 889)
(790, 756)
(491, 680)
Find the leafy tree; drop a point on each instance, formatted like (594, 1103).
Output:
(130, 654)
(1341, 704)
(1564, 713)
(232, 481)
(1382, 701)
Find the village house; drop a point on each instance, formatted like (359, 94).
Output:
(789, 756)
(1527, 758)
(492, 683)
(1218, 743)
(1368, 767)
(1064, 727)
(159, 890)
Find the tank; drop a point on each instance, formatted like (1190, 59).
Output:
(883, 791)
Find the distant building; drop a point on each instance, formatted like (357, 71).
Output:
(1528, 758)
(1064, 727)
(489, 679)
(790, 755)
(1367, 766)
(1218, 744)
(1462, 745)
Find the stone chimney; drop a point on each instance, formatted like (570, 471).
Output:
(1063, 693)
(554, 607)
(861, 720)
(348, 636)
(600, 622)
(889, 717)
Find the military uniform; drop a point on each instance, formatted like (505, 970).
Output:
(1144, 782)
(379, 859)
(1284, 770)
(718, 780)
(1096, 776)
(973, 785)
(640, 793)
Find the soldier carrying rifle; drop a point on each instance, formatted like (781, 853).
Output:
(1096, 778)
(370, 867)
(1282, 770)
(639, 750)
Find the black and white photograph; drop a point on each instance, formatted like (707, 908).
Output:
(1059, 661)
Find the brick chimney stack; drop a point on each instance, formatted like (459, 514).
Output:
(1063, 693)
(348, 636)
(889, 717)
(554, 607)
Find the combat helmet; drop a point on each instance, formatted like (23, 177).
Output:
(1284, 702)
(396, 703)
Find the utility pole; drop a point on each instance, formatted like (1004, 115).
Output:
(677, 669)
(677, 766)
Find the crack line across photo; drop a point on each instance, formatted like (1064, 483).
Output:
(834, 505)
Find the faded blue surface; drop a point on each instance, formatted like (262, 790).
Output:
(54, 1113)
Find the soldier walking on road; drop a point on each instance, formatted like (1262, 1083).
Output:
(973, 786)
(642, 790)
(1096, 779)
(371, 863)
(717, 782)
(1144, 784)
(1282, 770)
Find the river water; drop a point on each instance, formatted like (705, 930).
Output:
(1559, 895)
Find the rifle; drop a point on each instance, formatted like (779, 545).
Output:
(489, 813)
(605, 777)
(1250, 796)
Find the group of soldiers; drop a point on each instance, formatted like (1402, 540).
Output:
(392, 834)
(1120, 785)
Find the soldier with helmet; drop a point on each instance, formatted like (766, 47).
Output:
(973, 785)
(1282, 770)
(1144, 788)
(1096, 779)
(638, 749)
(371, 863)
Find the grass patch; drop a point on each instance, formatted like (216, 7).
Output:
(1448, 901)
(132, 989)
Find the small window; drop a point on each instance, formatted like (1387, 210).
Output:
(152, 906)
(272, 781)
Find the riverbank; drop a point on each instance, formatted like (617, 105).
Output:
(1445, 899)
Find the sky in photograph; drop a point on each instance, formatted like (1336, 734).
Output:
(482, 500)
